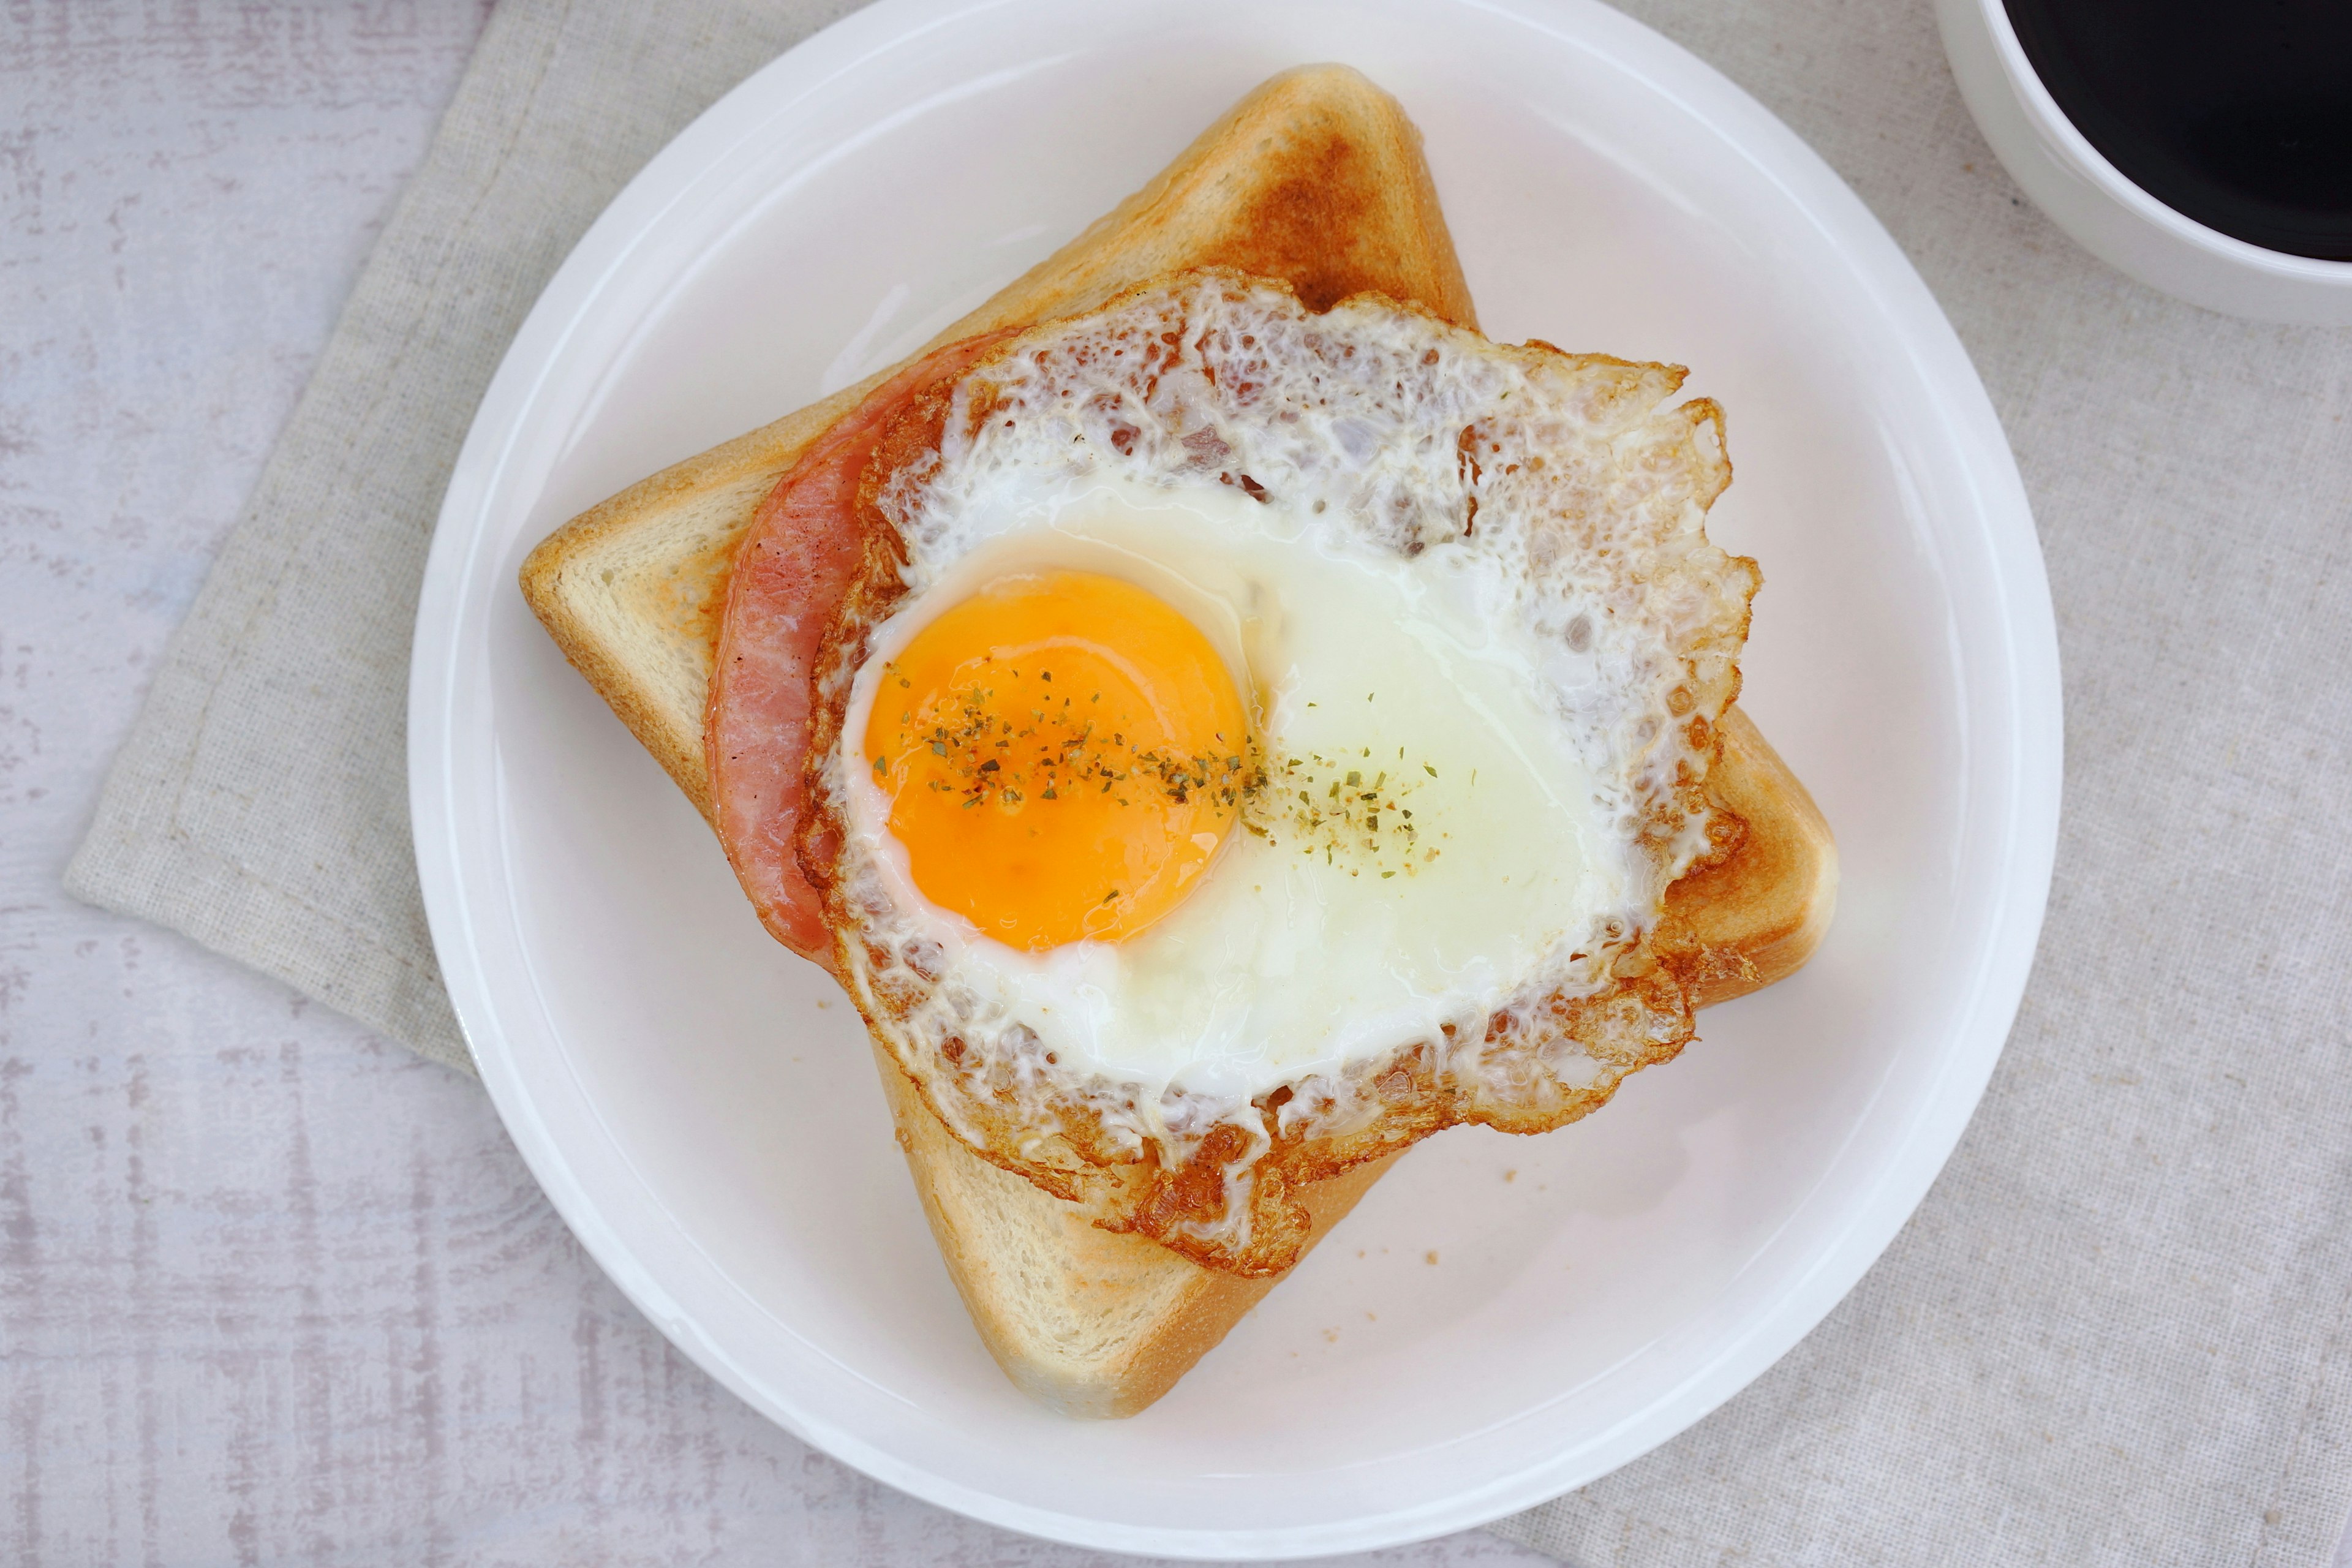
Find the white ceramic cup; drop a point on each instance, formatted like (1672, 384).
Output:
(2110, 216)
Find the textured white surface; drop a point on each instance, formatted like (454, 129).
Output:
(272, 1289)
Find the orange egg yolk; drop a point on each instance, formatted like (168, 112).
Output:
(1063, 753)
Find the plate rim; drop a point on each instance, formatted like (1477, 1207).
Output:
(2027, 837)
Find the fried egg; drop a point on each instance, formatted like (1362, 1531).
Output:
(1271, 738)
(1211, 797)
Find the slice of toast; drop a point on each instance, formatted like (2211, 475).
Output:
(1316, 178)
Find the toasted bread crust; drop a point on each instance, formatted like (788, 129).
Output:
(1755, 915)
(1133, 1317)
(1316, 178)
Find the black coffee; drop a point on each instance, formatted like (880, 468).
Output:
(2237, 113)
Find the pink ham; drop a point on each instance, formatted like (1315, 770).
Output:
(791, 574)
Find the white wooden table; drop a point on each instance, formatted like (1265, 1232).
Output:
(272, 1290)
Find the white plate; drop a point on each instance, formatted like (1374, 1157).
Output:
(700, 1106)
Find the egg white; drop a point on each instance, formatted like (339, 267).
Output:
(1294, 954)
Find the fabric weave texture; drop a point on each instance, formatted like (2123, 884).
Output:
(2115, 1332)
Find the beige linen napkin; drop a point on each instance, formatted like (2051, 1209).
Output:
(261, 804)
(2116, 1333)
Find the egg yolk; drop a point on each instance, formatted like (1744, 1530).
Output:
(1063, 753)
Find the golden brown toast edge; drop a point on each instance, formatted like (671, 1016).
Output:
(1754, 916)
(1177, 1310)
(1315, 177)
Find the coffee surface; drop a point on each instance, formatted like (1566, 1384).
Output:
(2237, 113)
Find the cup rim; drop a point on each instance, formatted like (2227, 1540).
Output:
(2076, 151)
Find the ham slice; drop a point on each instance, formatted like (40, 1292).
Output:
(791, 572)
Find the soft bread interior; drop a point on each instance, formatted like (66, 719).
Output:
(1316, 178)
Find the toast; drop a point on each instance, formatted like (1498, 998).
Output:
(1315, 178)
